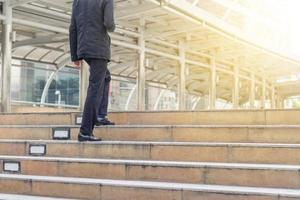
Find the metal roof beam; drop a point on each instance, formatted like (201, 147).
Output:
(40, 41)
(211, 22)
(14, 3)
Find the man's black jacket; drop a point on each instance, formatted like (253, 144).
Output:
(91, 20)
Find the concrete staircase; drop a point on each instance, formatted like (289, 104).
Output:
(207, 155)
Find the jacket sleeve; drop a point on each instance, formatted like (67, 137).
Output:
(73, 38)
(109, 21)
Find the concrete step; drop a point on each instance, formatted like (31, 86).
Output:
(103, 189)
(169, 151)
(27, 197)
(244, 117)
(255, 175)
(36, 118)
(179, 133)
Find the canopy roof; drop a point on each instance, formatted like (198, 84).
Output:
(197, 26)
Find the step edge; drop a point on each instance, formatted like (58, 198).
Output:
(154, 143)
(236, 126)
(4, 196)
(159, 163)
(164, 111)
(159, 185)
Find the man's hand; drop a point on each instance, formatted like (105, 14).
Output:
(78, 64)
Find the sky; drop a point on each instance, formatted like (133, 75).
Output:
(287, 14)
(293, 13)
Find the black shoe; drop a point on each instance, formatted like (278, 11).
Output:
(84, 138)
(104, 122)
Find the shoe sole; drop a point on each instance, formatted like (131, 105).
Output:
(105, 124)
(87, 140)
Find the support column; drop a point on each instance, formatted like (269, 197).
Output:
(263, 96)
(278, 102)
(252, 91)
(273, 102)
(84, 83)
(6, 58)
(213, 84)
(282, 102)
(182, 78)
(236, 88)
(141, 79)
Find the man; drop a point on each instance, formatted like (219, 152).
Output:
(89, 40)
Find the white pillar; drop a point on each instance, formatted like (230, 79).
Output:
(182, 78)
(282, 102)
(6, 58)
(141, 79)
(213, 84)
(273, 103)
(263, 96)
(84, 83)
(278, 101)
(252, 91)
(236, 88)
